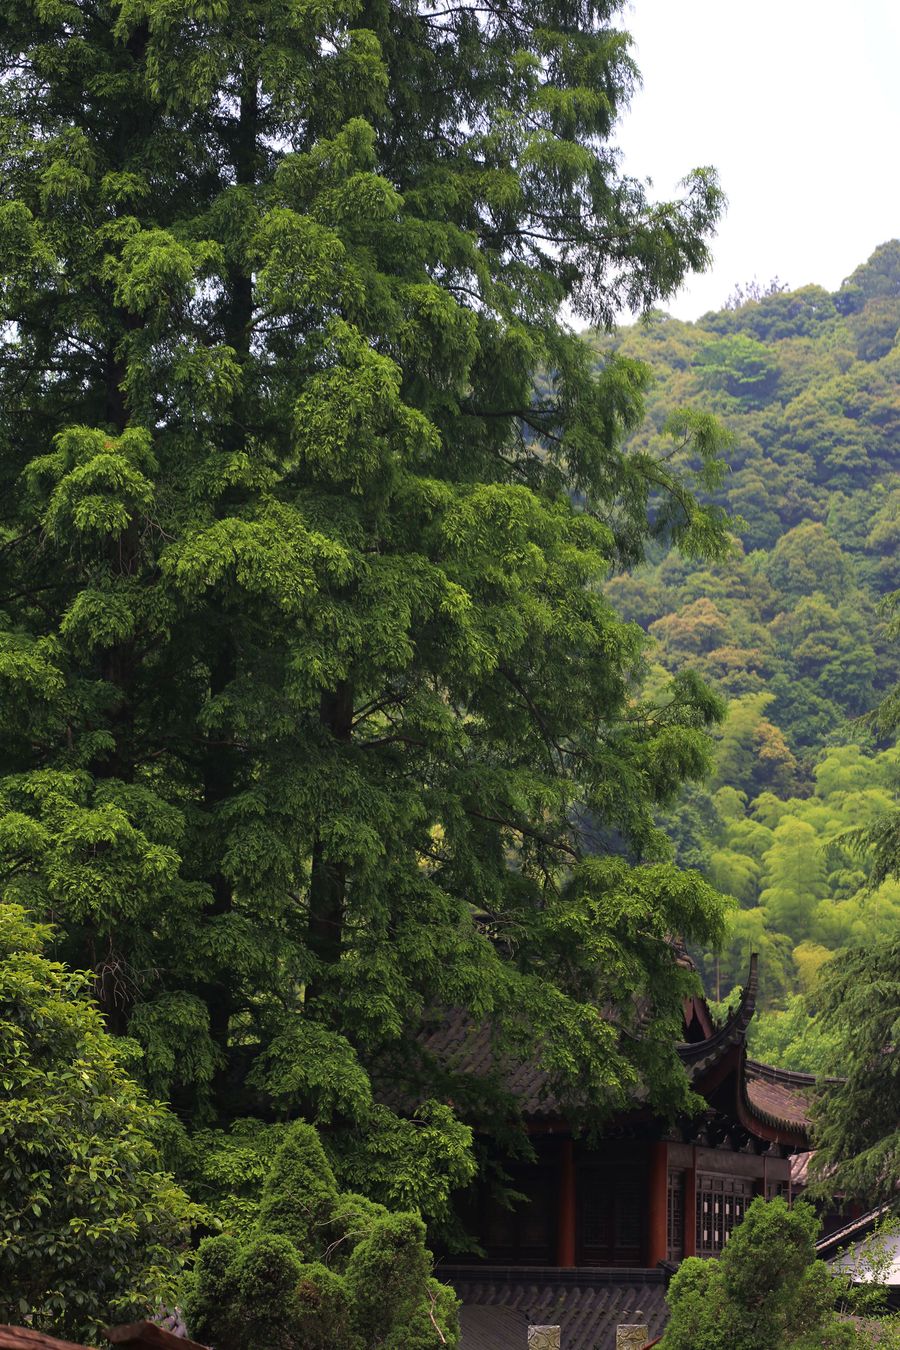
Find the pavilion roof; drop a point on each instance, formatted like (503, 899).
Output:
(769, 1103)
(779, 1096)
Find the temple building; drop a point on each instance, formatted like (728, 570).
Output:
(606, 1224)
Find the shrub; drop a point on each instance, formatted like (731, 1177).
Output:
(319, 1269)
(766, 1291)
(91, 1228)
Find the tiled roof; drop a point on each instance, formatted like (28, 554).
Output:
(778, 1096)
(853, 1231)
(468, 1048)
(149, 1336)
(587, 1304)
(800, 1168)
(23, 1338)
(135, 1334)
(699, 1057)
(489, 1328)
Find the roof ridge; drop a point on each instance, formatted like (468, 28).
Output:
(789, 1077)
(850, 1229)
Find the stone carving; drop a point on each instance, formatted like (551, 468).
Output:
(543, 1338)
(632, 1336)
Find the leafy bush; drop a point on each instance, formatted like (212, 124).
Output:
(91, 1229)
(766, 1291)
(319, 1268)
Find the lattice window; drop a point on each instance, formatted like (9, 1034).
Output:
(774, 1188)
(595, 1225)
(675, 1216)
(610, 1216)
(721, 1205)
(628, 1226)
(526, 1232)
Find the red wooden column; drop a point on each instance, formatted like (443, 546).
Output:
(565, 1228)
(761, 1185)
(690, 1208)
(658, 1203)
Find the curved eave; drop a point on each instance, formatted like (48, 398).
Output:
(767, 1102)
(789, 1078)
(728, 1089)
(695, 1012)
(699, 1057)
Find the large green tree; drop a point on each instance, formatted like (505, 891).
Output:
(311, 700)
(857, 1129)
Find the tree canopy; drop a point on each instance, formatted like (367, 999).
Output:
(327, 699)
(857, 1127)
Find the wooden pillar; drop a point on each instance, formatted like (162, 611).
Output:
(565, 1228)
(658, 1204)
(690, 1207)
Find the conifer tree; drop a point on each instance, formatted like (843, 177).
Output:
(318, 1268)
(765, 1292)
(308, 685)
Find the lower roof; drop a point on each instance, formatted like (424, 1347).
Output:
(491, 1328)
(842, 1241)
(588, 1304)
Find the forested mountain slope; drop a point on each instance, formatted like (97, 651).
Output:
(789, 629)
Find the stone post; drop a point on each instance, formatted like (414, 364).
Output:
(632, 1336)
(543, 1338)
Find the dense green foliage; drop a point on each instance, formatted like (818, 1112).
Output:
(319, 1268)
(858, 1124)
(313, 708)
(91, 1227)
(858, 1121)
(799, 816)
(765, 1292)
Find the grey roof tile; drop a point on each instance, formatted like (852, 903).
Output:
(587, 1304)
(490, 1328)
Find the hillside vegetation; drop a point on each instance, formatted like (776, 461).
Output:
(790, 629)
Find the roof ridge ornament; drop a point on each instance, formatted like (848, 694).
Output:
(734, 1029)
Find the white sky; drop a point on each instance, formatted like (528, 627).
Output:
(797, 104)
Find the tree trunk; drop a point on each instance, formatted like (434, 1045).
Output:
(329, 878)
(221, 763)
